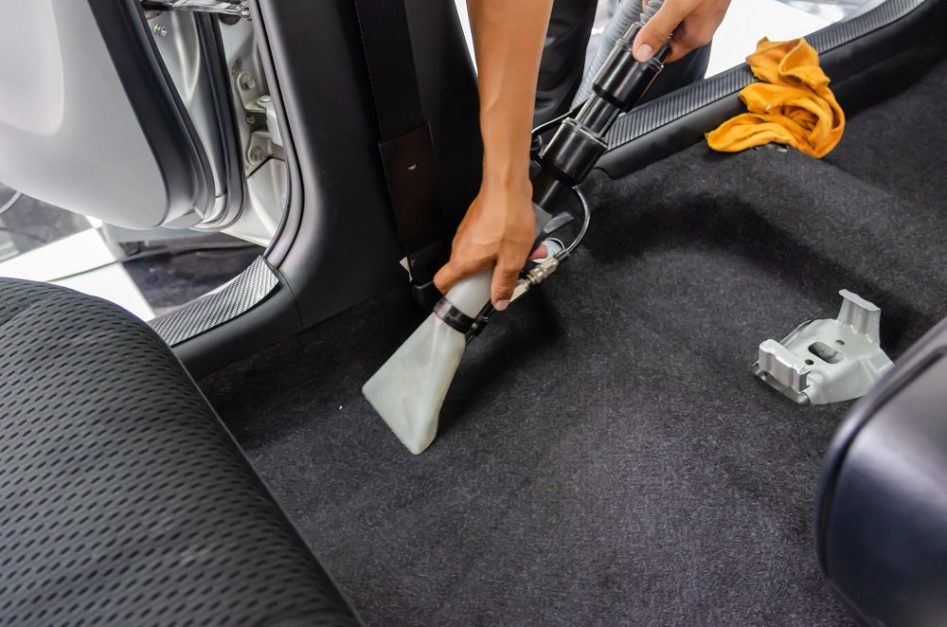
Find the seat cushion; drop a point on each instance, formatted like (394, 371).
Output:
(123, 499)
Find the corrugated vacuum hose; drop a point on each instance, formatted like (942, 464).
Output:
(409, 389)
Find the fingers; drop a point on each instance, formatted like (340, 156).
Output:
(541, 252)
(658, 30)
(450, 273)
(682, 24)
(445, 278)
(505, 275)
(459, 267)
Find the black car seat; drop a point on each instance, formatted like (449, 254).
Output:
(882, 508)
(123, 499)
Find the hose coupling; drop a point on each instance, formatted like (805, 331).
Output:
(535, 275)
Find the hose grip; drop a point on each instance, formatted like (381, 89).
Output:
(623, 80)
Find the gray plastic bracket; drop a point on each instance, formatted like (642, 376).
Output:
(829, 360)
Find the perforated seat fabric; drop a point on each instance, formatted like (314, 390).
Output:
(123, 500)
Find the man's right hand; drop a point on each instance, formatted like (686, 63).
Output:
(497, 231)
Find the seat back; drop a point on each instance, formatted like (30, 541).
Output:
(882, 507)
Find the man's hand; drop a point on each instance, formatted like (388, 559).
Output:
(500, 224)
(691, 22)
(497, 231)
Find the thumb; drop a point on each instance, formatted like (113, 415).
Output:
(657, 31)
(505, 275)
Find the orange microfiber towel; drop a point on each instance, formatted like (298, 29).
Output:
(793, 105)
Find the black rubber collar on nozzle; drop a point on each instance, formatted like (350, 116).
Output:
(453, 317)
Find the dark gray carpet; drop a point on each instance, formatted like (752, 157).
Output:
(605, 456)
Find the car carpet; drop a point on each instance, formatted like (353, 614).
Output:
(605, 456)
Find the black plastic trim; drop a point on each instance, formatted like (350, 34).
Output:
(337, 243)
(163, 118)
(345, 236)
(288, 226)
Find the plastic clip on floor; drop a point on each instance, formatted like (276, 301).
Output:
(606, 457)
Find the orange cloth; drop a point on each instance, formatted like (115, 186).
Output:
(793, 105)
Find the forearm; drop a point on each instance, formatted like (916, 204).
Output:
(508, 40)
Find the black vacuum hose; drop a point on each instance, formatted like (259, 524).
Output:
(618, 85)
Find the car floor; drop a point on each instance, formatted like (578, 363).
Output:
(605, 455)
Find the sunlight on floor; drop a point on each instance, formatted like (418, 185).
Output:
(84, 262)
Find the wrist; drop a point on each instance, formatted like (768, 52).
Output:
(507, 173)
(505, 158)
(509, 184)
